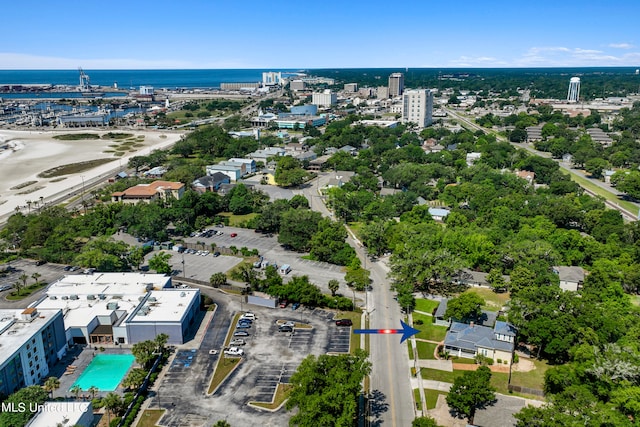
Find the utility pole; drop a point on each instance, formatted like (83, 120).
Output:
(82, 195)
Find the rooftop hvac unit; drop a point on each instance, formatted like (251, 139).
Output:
(102, 296)
(140, 298)
(153, 299)
(73, 297)
(149, 286)
(53, 297)
(91, 297)
(182, 294)
(64, 297)
(112, 306)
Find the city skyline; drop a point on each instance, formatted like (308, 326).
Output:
(283, 34)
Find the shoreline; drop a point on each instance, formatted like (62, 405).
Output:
(33, 152)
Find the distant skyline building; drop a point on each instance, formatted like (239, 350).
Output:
(325, 98)
(417, 107)
(574, 89)
(272, 78)
(396, 84)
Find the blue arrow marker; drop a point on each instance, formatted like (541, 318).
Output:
(406, 331)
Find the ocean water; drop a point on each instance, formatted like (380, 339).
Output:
(125, 79)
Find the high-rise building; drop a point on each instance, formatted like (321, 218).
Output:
(324, 99)
(32, 342)
(417, 107)
(574, 89)
(272, 78)
(396, 84)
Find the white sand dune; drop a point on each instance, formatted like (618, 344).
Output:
(33, 152)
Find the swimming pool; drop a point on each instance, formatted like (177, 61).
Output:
(105, 371)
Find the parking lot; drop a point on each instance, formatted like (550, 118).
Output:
(48, 273)
(271, 357)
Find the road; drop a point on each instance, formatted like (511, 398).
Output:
(392, 401)
(631, 216)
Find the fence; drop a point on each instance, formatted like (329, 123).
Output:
(526, 390)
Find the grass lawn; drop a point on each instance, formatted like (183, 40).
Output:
(635, 300)
(426, 349)
(150, 417)
(428, 331)
(355, 317)
(426, 305)
(500, 380)
(73, 168)
(438, 375)
(410, 351)
(493, 301)
(431, 396)
(282, 393)
(531, 379)
(416, 398)
(25, 292)
(224, 368)
(237, 220)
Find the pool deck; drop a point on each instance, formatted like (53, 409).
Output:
(80, 360)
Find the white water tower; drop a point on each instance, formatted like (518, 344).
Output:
(574, 89)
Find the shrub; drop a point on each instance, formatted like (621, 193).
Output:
(499, 361)
(418, 322)
(515, 358)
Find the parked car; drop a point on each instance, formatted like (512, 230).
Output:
(67, 268)
(248, 315)
(233, 234)
(284, 303)
(295, 306)
(41, 262)
(344, 322)
(289, 323)
(5, 287)
(216, 253)
(243, 325)
(284, 328)
(241, 334)
(234, 351)
(237, 342)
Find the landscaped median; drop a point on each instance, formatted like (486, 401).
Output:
(280, 397)
(225, 365)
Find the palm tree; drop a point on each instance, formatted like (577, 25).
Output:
(18, 287)
(93, 391)
(24, 279)
(75, 390)
(113, 403)
(36, 276)
(51, 384)
(134, 378)
(218, 279)
(161, 341)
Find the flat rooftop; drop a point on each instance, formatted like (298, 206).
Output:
(169, 305)
(60, 413)
(107, 284)
(15, 332)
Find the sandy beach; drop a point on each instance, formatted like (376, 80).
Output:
(29, 153)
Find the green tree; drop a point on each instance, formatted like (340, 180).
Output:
(113, 404)
(357, 278)
(467, 306)
(134, 378)
(160, 263)
(596, 166)
(218, 279)
(76, 390)
(325, 390)
(496, 281)
(470, 391)
(289, 172)
(93, 391)
(334, 285)
(297, 226)
(244, 272)
(51, 384)
(29, 396)
(36, 278)
(143, 352)
(222, 423)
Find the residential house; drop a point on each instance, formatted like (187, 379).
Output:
(241, 165)
(486, 318)
(470, 340)
(210, 182)
(571, 278)
(318, 163)
(250, 164)
(472, 158)
(263, 155)
(339, 179)
(349, 149)
(156, 172)
(147, 193)
(527, 176)
(438, 214)
(233, 172)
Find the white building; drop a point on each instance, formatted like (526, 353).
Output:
(417, 107)
(63, 414)
(324, 99)
(396, 84)
(31, 343)
(106, 308)
(271, 78)
(146, 90)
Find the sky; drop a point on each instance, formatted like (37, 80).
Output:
(206, 34)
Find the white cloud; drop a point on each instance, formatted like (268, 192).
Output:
(621, 45)
(477, 61)
(556, 56)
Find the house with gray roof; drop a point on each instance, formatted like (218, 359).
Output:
(470, 340)
(210, 182)
(571, 278)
